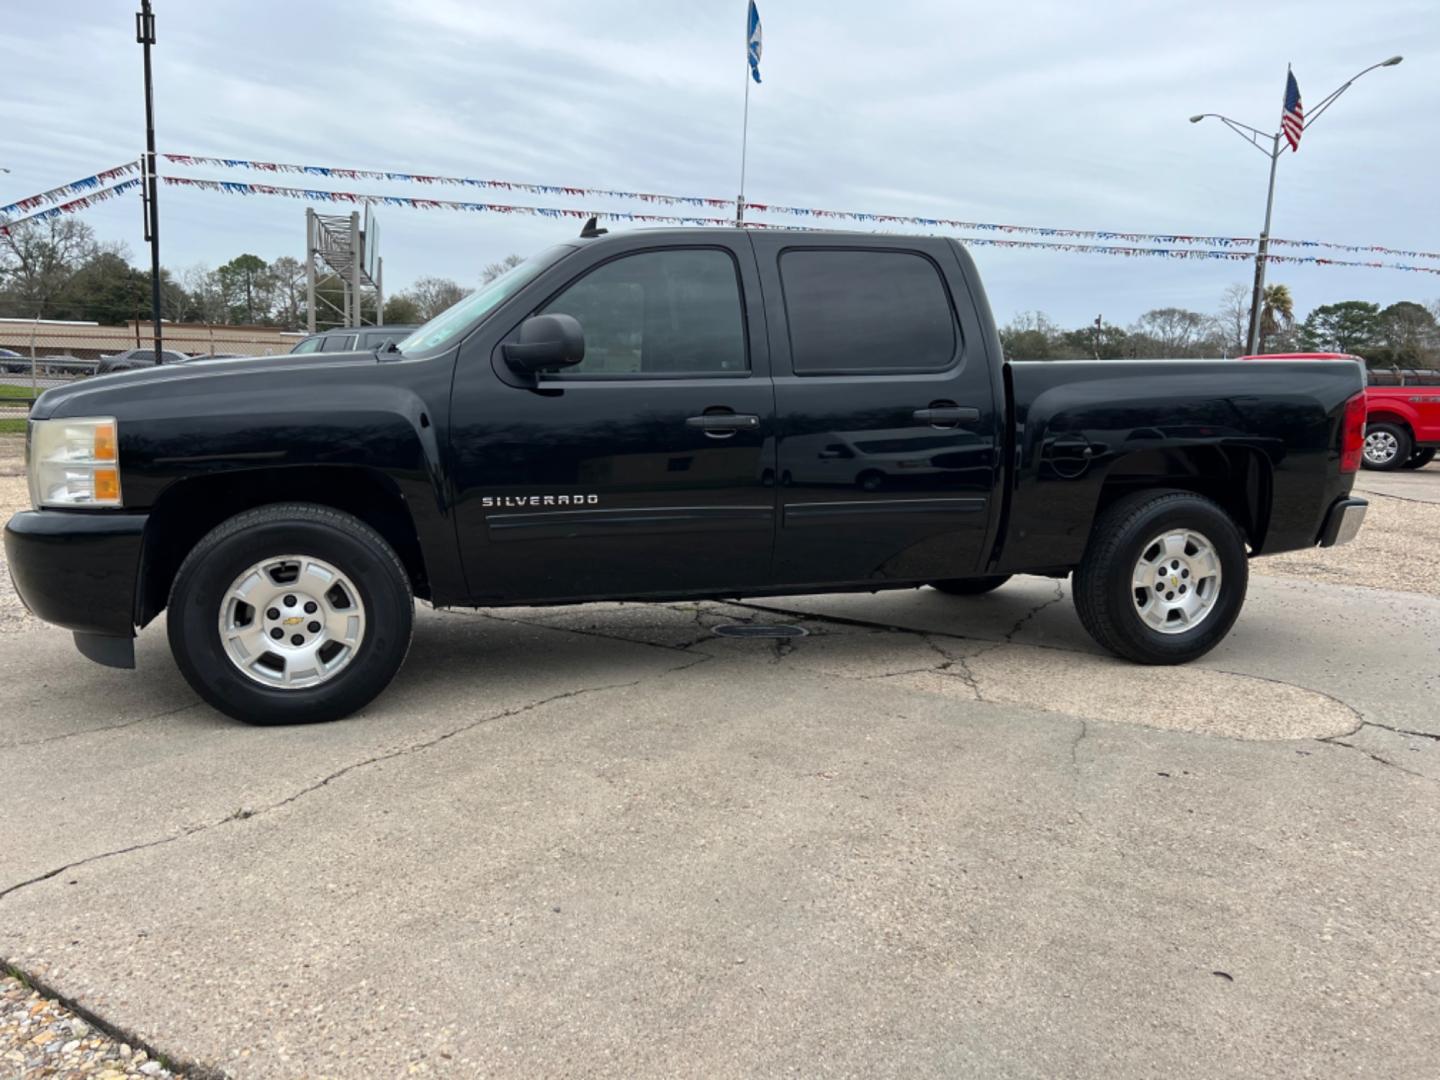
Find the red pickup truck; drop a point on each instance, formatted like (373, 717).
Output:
(1402, 418)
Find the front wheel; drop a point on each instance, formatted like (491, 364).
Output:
(1163, 577)
(291, 613)
(1387, 447)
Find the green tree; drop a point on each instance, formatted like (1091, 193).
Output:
(245, 285)
(402, 310)
(1030, 335)
(1351, 326)
(1277, 313)
(1410, 335)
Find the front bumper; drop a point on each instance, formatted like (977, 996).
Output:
(1343, 522)
(79, 570)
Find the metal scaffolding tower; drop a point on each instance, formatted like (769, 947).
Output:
(337, 248)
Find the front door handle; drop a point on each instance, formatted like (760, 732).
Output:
(723, 425)
(947, 416)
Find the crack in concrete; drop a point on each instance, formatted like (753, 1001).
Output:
(1075, 743)
(1339, 740)
(100, 730)
(244, 815)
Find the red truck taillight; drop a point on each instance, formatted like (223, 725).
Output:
(1352, 438)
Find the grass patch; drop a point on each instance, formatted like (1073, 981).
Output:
(9, 392)
(12, 427)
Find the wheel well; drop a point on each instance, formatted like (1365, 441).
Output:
(1236, 478)
(1390, 418)
(191, 508)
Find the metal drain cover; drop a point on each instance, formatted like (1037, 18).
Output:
(750, 630)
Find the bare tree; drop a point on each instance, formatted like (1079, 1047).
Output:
(1233, 319)
(495, 269)
(38, 258)
(433, 295)
(1175, 331)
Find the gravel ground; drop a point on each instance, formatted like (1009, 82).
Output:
(14, 495)
(39, 1038)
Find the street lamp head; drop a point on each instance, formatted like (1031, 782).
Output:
(1392, 61)
(1197, 119)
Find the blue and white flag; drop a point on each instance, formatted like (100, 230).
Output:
(753, 38)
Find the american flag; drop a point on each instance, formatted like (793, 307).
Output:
(1292, 120)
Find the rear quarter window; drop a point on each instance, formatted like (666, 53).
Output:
(867, 312)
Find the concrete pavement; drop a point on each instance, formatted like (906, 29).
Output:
(937, 835)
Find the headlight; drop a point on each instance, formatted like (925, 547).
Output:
(74, 462)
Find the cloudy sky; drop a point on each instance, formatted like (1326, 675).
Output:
(1045, 113)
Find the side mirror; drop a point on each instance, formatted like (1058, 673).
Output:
(547, 341)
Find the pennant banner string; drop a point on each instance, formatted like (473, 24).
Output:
(73, 205)
(453, 181)
(75, 187)
(231, 187)
(790, 211)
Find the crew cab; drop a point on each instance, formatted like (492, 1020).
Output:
(1402, 413)
(656, 415)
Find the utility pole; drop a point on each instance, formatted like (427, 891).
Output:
(1099, 320)
(145, 35)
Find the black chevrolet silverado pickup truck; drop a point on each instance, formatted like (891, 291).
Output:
(663, 415)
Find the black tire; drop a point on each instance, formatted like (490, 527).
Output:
(1420, 458)
(1400, 449)
(228, 550)
(871, 480)
(1102, 588)
(970, 586)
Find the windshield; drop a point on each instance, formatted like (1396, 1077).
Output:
(460, 316)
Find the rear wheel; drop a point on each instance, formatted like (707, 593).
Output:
(291, 613)
(1387, 446)
(971, 586)
(1163, 577)
(1420, 458)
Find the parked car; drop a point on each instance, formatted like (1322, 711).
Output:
(131, 359)
(608, 421)
(363, 338)
(12, 362)
(1402, 413)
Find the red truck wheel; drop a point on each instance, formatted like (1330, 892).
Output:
(1387, 446)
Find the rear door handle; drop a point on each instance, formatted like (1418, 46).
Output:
(947, 415)
(721, 425)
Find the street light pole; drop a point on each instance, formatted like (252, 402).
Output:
(145, 35)
(1257, 299)
(1257, 138)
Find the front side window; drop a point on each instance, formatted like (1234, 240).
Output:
(866, 312)
(310, 345)
(659, 313)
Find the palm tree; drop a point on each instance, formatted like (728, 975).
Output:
(1277, 312)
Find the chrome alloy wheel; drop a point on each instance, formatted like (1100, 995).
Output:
(291, 622)
(1381, 447)
(1176, 581)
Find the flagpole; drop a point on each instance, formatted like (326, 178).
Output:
(744, 137)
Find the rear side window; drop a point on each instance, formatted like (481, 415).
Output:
(857, 312)
(671, 312)
(338, 343)
(142, 354)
